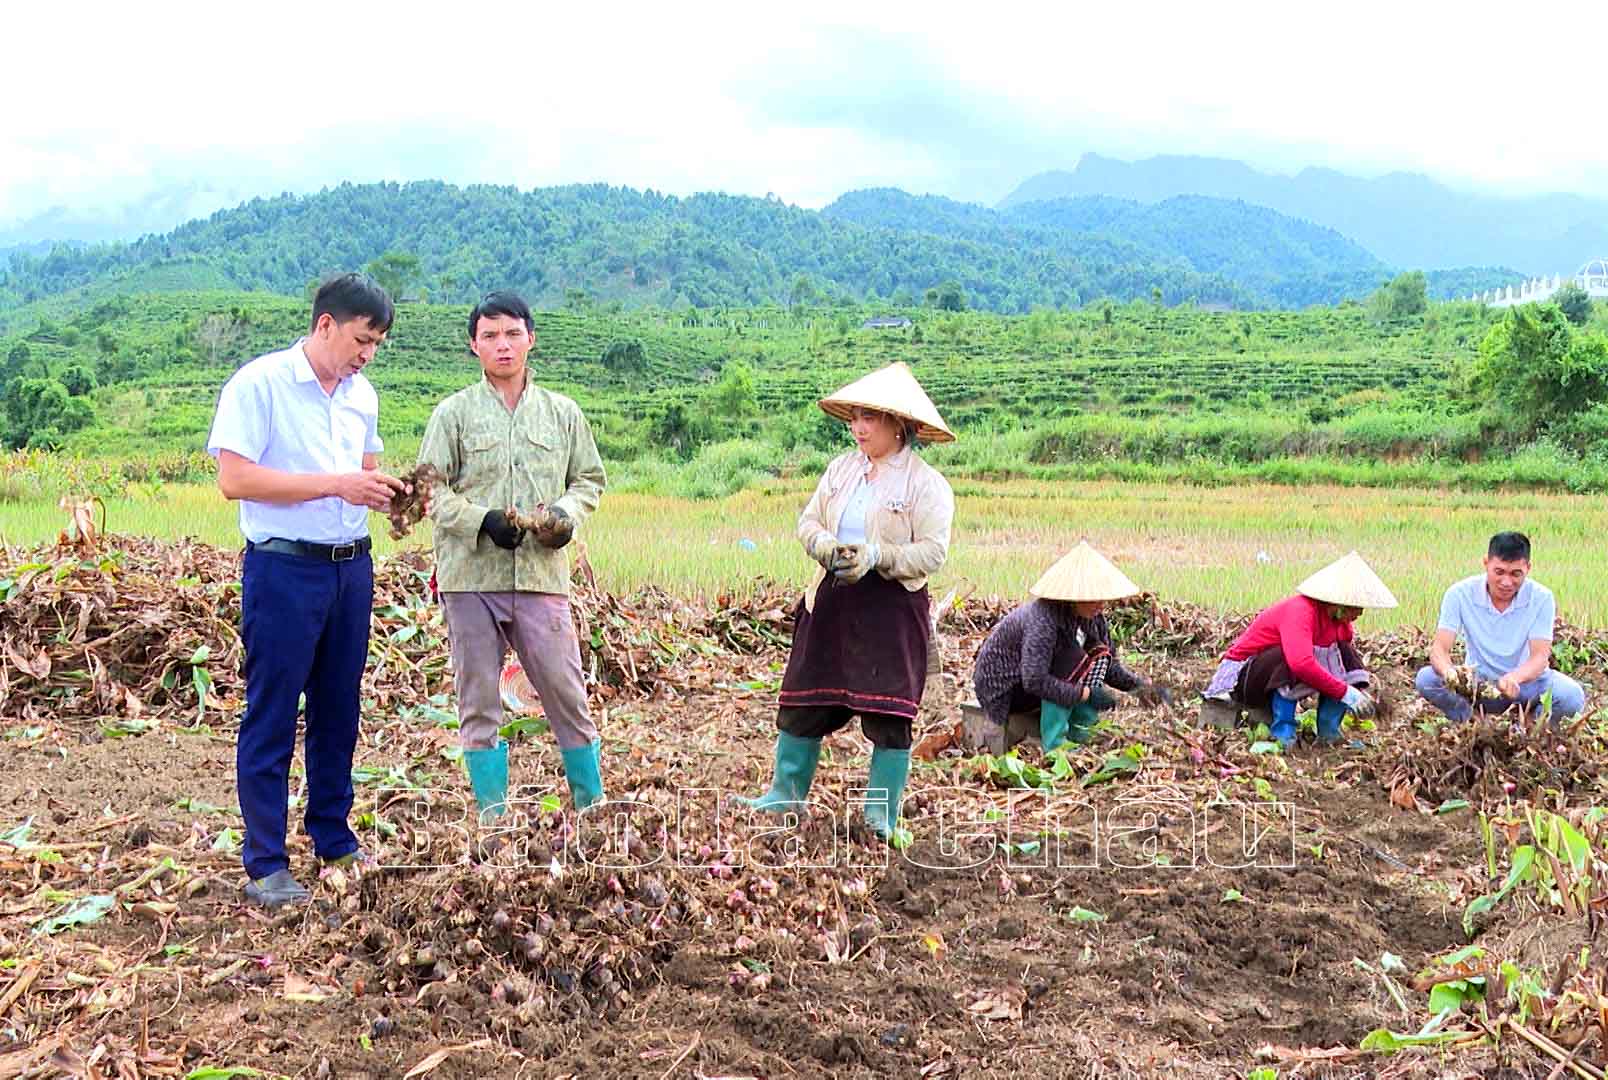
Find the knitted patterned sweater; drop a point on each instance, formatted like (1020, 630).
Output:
(1034, 652)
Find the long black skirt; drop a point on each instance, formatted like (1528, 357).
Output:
(863, 649)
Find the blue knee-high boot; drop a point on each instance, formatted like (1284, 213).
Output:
(1283, 728)
(1331, 713)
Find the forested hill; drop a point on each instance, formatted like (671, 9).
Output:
(640, 248)
(1289, 262)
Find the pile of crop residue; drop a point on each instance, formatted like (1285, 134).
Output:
(132, 632)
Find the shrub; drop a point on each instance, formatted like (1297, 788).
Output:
(723, 468)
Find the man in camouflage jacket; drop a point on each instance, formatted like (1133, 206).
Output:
(507, 444)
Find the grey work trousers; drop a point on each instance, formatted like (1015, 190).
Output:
(482, 626)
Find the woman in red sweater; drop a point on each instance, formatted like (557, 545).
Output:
(1299, 647)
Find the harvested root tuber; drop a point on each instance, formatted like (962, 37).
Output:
(407, 509)
(531, 522)
(1467, 682)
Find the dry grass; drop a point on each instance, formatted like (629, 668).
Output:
(1231, 548)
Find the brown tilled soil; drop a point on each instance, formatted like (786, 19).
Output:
(675, 938)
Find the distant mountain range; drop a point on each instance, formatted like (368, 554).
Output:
(640, 247)
(154, 211)
(1406, 219)
(1289, 263)
(8, 251)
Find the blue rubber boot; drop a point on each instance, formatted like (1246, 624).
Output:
(488, 776)
(796, 759)
(1283, 727)
(1331, 714)
(583, 769)
(889, 771)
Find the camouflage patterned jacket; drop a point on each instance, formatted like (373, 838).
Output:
(541, 452)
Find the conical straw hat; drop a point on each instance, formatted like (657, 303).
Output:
(891, 390)
(1350, 582)
(1083, 574)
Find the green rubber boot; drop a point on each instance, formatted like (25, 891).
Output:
(1080, 723)
(889, 771)
(796, 759)
(1059, 725)
(1053, 721)
(488, 776)
(584, 771)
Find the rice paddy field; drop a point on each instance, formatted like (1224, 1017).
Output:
(1229, 548)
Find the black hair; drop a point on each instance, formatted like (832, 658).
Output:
(501, 303)
(344, 297)
(1509, 547)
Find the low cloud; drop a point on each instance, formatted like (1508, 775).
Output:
(209, 106)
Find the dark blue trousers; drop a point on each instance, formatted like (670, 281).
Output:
(305, 626)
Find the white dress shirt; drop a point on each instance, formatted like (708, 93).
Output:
(274, 412)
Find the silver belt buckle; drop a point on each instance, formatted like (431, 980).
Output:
(342, 552)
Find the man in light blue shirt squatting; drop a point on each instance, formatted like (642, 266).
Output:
(297, 442)
(1505, 620)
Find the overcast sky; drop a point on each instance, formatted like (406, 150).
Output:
(201, 106)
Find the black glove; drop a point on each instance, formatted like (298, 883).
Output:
(1101, 698)
(1148, 693)
(556, 528)
(504, 533)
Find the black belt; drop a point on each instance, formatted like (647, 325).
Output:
(305, 550)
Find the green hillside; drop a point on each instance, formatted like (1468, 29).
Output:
(151, 365)
(1114, 389)
(1284, 261)
(640, 248)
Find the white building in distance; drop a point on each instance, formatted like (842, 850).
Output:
(1592, 277)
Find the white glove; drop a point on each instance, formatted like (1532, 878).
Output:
(823, 549)
(854, 561)
(1359, 703)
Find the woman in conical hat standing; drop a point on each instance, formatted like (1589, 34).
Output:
(878, 525)
(1054, 652)
(1302, 646)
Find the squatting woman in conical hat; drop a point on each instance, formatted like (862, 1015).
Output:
(1302, 646)
(1054, 652)
(878, 525)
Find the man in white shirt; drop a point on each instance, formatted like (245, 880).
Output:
(297, 442)
(1505, 619)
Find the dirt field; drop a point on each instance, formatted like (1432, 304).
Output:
(1117, 927)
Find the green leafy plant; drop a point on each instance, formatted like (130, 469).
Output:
(80, 912)
(1009, 770)
(1559, 868)
(1124, 762)
(201, 680)
(524, 726)
(1525, 990)
(1385, 1041)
